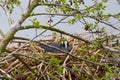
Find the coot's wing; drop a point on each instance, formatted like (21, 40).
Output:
(50, 49)
(57, 45)
(69, 48)
(46, 48)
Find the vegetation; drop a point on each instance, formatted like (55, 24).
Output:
(95, 59)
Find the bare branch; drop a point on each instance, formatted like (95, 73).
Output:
(10, 34)
(2, 34)
(25, 64)
(93, 17)
(29, 3)
(21, 38)
(7, 76)
(58, 5)
(107, 49)
(53, 29)
(106, 23)
(10, 21)
(56, 14)
(80, 59)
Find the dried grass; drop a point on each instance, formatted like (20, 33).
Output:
(34, 63)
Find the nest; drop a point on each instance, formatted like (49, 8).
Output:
(32, 63)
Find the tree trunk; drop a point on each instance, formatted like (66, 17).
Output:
(16, 26)
(8, 37)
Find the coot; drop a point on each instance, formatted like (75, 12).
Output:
(63, 46)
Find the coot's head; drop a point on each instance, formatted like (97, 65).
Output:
(65, 44)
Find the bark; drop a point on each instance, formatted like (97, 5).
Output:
(2, 34)
(56, 30)
(8, 37)
(16, 26)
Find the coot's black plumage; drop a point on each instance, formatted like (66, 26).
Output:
(62, 46)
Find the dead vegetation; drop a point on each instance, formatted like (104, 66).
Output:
(32, 63)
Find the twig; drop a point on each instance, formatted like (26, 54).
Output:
(64, 63)
(58, 5)
(70, 77)
(2, 34)
(8, 76)
(57, 14)
(21, 38)
(10, 21)
(104, 22)
(80, 59)
(108, 49)
(54, 29)
(19, 48)
(29, 3)
(16, 56)
(98, 66)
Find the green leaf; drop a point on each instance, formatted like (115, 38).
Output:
(54, 61)
(59, 70)
(107, 74)
(72, 21)
(51, 10)
(64, 10)
(101, 12)
(51, 75)
(63, 1)
(104, 1)
(78, 16)
(85, 12)
(17, 71)
(32, 13)
(54, 33)
(109, 15)
(35, 21)
(82, 48)
(17, 2)
(99, 41)
(76, 5)
(75, 68)
(100, 4)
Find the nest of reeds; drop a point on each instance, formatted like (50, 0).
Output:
(84, 62)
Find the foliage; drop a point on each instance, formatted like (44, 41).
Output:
(54, 61)
(98, 60)
(35, 21)
(10, 4)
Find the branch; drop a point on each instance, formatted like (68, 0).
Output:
(53, 29)
(107, 49)
(57, 14)
(15, 27)
(6, 77)
(2, 34)
(21, 38)
(77, 58)
(25, 64)
(10, 21)
(93, 17)
(72, 9)
(104, 22)
(77, 12)
(59, 5)
(29, 3)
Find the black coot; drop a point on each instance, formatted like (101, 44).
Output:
(63, 46)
